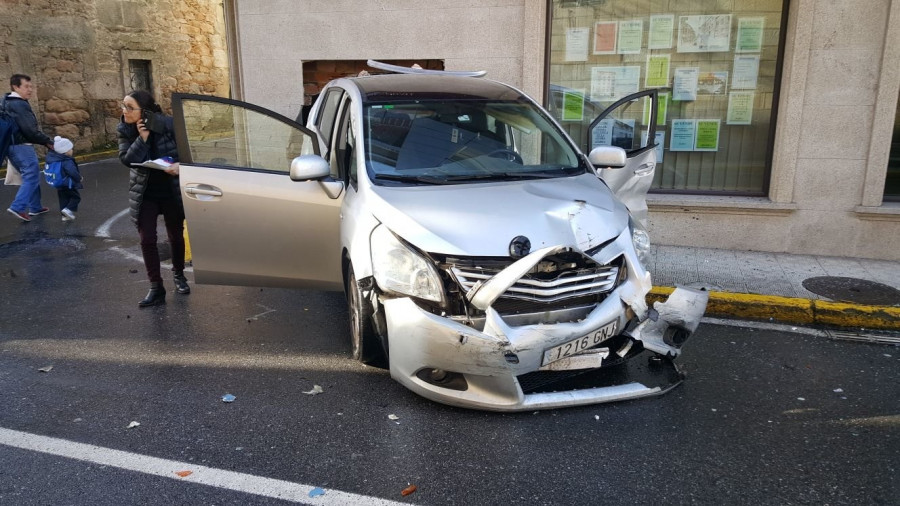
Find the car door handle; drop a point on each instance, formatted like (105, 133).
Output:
(203, 191)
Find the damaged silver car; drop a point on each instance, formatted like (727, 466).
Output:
(487, 261)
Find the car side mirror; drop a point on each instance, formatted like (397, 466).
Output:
(306, 167)
(608, 157)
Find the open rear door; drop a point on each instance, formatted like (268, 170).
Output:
(630, 124)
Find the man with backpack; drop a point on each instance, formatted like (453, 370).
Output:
(21, 154)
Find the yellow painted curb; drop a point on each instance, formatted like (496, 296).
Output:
(793, 310)
(187, 244)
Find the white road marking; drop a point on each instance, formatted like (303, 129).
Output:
(219, 478)
(103, 230)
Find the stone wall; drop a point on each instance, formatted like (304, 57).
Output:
(77, 52)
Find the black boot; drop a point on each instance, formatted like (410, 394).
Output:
(156, 296)
(181, 285)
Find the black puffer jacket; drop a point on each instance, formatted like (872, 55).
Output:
(133, 149)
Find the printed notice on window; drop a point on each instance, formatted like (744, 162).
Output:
(577, 44)
(661, 29)
(704, 34)
(605, 37)
(707, 136)
(684, 85)
(682, 136)
(631, 34)
(740, 108)
(662, 108)
(657, 75)
(612, 83)
(745, 72)
(573, 106)
(749, 35)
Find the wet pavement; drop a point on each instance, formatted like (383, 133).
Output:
(766, 415)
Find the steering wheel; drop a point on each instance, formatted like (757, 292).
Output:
(507, 154)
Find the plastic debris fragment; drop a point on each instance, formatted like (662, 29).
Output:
(801, 399)
(838, 390)
(132, 425)
(408, 490)
(316, 492)
(596, 417)
(393, 417)
(316, 389)
(46, 369)
(184, 473)
(228, 398)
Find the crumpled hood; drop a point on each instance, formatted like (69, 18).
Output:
(481, 219)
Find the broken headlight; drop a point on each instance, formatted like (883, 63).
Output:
(400, 269)
(641, 241)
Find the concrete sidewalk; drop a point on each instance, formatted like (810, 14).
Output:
(848, 292)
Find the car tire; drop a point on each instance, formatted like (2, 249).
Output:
(365, 345)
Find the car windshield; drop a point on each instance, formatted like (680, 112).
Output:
(459, 141)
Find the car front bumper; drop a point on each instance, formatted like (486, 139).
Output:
(492, 360)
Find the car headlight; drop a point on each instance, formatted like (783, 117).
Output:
(397, 268)
(641, 241)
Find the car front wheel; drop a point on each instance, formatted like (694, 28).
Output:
(364, 341)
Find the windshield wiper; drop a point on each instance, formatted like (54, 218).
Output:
(504, 176)
(411, 179)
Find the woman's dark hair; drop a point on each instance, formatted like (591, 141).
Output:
(145, 100)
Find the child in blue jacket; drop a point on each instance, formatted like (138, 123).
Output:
(69, 197)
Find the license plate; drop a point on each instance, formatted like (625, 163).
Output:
(580, 344)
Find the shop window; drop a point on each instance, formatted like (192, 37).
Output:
(716, 65)
(892, 181)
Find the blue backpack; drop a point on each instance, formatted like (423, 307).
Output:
(55, 176)
(8, 130)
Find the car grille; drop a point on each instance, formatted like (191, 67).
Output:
(553, 280)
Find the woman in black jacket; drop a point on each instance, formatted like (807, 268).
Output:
(147, 134)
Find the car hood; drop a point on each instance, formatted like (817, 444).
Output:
(481, 219)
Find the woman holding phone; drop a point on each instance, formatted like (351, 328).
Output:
(145, 133)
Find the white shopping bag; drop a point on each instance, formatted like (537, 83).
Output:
(13, 176)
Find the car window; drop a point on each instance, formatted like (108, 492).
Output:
(343, 165)
(232, 134)
(327, 117)
(452, 140)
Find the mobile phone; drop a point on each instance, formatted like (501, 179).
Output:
(151, 122)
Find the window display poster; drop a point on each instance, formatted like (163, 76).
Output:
(573, 106)
(660, 144)
(682, 135)
(749, 35)
(745, 72)
(707, 136)
(662, 108)
(684, 83)
(661, 29)
(577, 44)
(613, 132)
(631, 36)
(601, 135)
(612, 83)
(605, 37)
(704, 34)
(657, 74)
(712, 83)
(740, 108)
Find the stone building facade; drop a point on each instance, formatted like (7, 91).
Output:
(85, 55)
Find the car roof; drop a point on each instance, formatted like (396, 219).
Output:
(406, 87)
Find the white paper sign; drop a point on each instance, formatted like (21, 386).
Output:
(577, 44)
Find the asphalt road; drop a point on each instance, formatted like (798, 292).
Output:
(766, 416)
